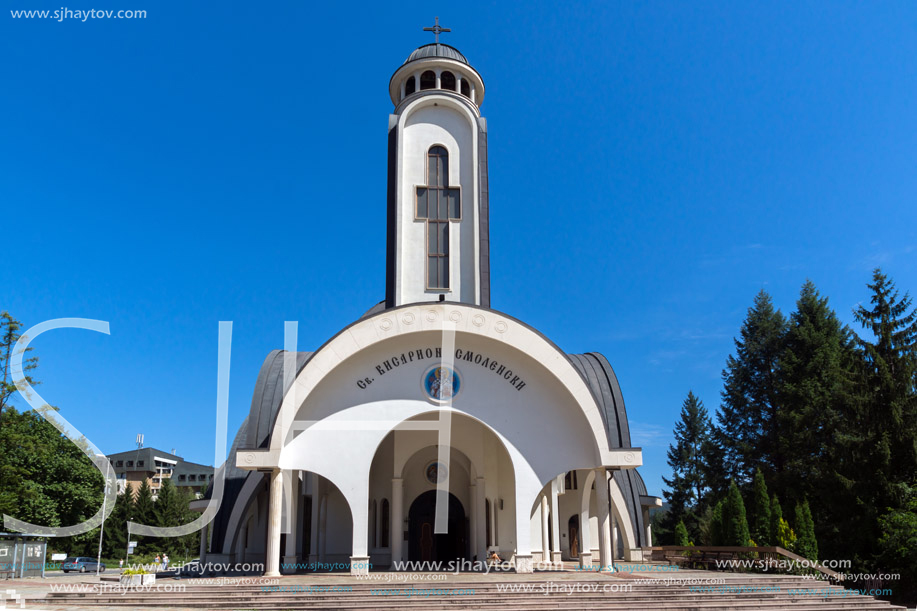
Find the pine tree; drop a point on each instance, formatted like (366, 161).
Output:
(687, 490)
(818, 372)
(144, 510)
(760, 511)
(748, 425)
(889, 417)
(115, 540)
(806, 544)
(10, 331)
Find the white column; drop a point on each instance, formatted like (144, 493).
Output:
(359, 511)
(316, 508)
(275, 513)
(402, 90)
(585, 537)
(614, 539)
(648, 525)
(602, 507)
(545, 539)
(473, 93)
(458, 83)
(480, 509)
(397, 528)
(555, 525)
(438, 78)
(290, 558)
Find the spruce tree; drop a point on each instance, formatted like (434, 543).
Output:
(115, 540)
(806, 544)
(760, 511)
(818, 373)
(889, 415)
(687, 490)
(748, 425)
(143, 510)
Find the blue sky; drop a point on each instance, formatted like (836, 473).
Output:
(652, 165)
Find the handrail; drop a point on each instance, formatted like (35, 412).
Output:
(725, 549)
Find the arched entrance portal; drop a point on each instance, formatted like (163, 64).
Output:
(423, 544)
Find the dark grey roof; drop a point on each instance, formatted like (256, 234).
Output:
(436, 50)
(255, 432)
(602, 381)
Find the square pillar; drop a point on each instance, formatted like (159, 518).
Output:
(316, 508)
(555, 525)
(604, 514)
(545, 539)
(290, 559)
(397, 528)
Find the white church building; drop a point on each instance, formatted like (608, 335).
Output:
(433, 428)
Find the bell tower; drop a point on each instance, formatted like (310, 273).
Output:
(438, 246)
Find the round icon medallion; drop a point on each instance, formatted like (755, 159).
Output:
(441, 383)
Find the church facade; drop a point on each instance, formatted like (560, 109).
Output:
(434, 428)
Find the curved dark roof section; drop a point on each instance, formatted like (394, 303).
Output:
(630, 482)
(255, 432)
(603, 383)
(436, 49)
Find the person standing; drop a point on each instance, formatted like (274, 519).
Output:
(165, 561)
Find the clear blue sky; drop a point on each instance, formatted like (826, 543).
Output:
(652, 165)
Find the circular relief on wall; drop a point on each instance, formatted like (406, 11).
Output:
(435, 472)
(431, 315)
(385, 324)
(501, 326)
(455, 316)
(249, 458)
(441, 383)
(629, 457)
(408, 318)
(477, 320)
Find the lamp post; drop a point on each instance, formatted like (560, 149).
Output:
(102, 525)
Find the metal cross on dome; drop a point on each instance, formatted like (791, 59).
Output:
(436, 29)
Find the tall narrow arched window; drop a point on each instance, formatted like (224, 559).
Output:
(372, 521)
(384, 524)
(428, 80)
(410, 86)
(466, 90)
(437, 204)
(447, 81)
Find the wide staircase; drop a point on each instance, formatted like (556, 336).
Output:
(468, 591)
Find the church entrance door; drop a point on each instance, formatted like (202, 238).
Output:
(423, 544)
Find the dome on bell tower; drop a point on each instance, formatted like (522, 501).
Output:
(436, 67)
(436, 49)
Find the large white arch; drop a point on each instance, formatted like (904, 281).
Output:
(319, 401)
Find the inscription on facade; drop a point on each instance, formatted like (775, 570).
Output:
(425, 354)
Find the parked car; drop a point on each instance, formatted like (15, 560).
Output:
(81, 564)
